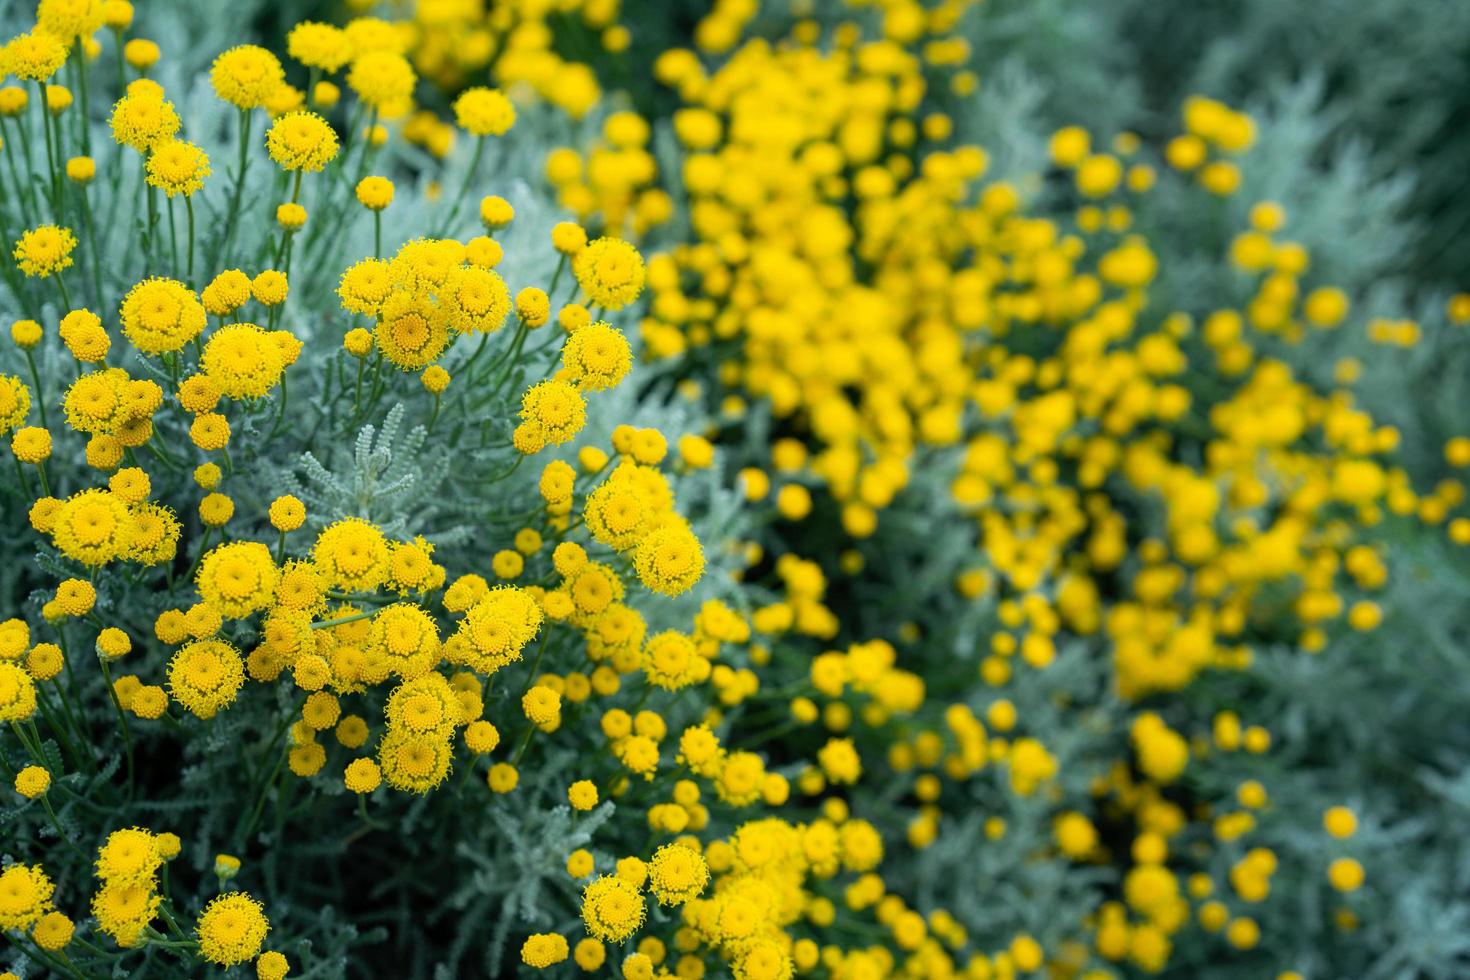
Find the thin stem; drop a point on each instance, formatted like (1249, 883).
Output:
(189, 207)
(464, 187)
(36, 380)
(122, 718)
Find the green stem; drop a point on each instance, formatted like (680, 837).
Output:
(464, 187)
(122, 718)
(189, 207)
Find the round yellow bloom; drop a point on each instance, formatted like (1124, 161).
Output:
(130, 854)
(484, 112)
(177, 167)
(383, 80)
(32, 781)
(476, 300)
(533, 306)
(34, 57)
(205, 676)
(81, 170)
(231, 929)
(161, 315)
(568, 237)
(25, 333)
(375, 193)
(610, 272)
(15, 405)
(544, 949)
(272, 965)
(612, 909)
(143, 119)
(93, 527)
(301, 141)
(291, 217)
(141, 53)
(414, 763)
(287, 513)
(270, 287)
(596, 356)
(352, 554)
(582, 794)
(496, 212)
(672, 661)
(238, 578)
(45, 251)
(318, 45)
(362, 776)
(246, 76)
(670, 560)
(556, 409)
(243, 361)
(53, 931)
(25, 896)
(677, 874)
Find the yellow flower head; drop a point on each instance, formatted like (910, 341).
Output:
(246, 76)
(162, 315)
(318, 45)
(612, 909)
(205, 676)
(25, 896)
(484, 112)
(301, 141)
(177, 167)
(610, 272)
(45, 251)
(34, 57)
(243, 360)
(231, 929)
(384, 80)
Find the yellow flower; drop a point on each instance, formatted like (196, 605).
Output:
(238, 578)
(610, 272)
(246, 76)
(162, 315)
(362, 776)
(17, 692)
(375, 193)
(383, 80)
(352, 554)
(129, 855)
(414, 763)
(45, 251)
(670, 560)
(34, 57)
(671, 661)
(205, 676)
(15, 406)
(94, 527)
(484, 112)
(123, 909)
(25, 896)
(318, 45)
(612, 909)
(544, 949)
(556, 409)
(231, 929)
(596, 356)
(177, 167)
(54, 931)
(677, 874)
(302, 141)
(243, 361)
(143, 120)
(32, 781)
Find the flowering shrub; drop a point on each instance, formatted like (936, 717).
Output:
(461, 525)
